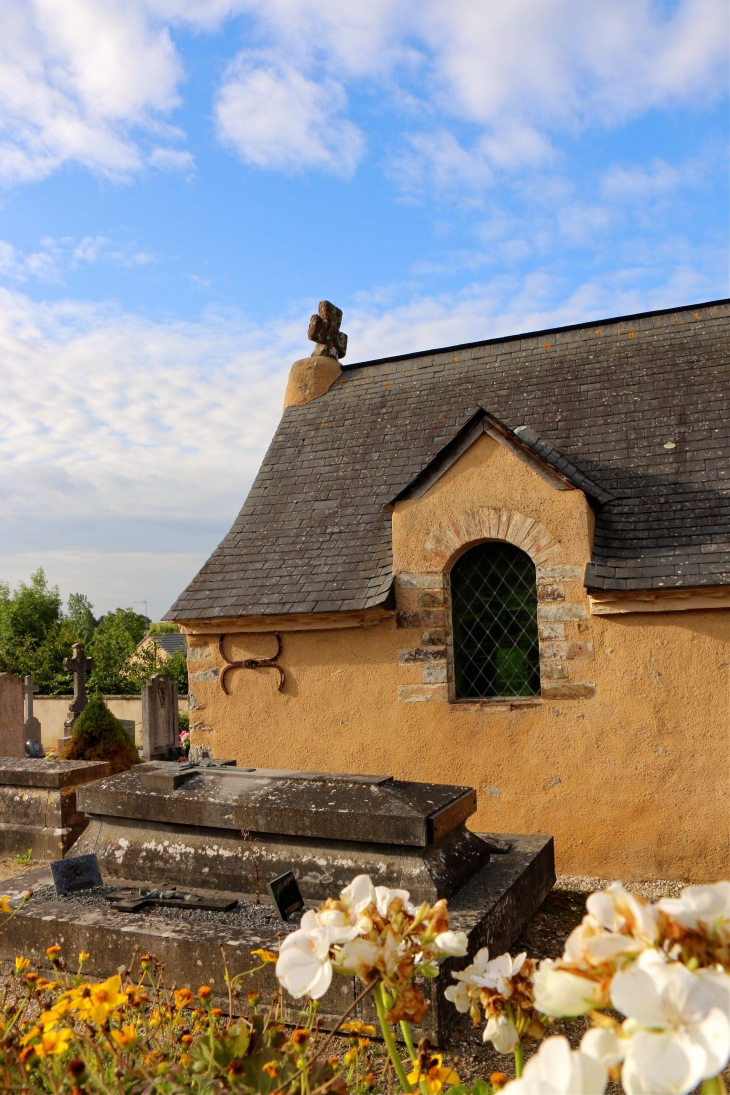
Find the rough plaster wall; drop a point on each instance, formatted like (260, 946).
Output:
(631, 783)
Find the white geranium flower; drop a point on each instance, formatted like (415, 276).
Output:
(384, 896)
(338, 925)
(679, 1035)
(492, 974)
(592, 944)
(501, 1033)
(700, 905)
(608, 1049)
(458, 994)
(451, 944)
(616, 909)
(557, 1070)
(561, 993)
(359, 957)
(359, 895)
(304, 964)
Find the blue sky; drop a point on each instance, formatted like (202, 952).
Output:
(183, 180)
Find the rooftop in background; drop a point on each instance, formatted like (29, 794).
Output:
(637, 405)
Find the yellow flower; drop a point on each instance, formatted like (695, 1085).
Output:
(5, 905)
(204, 992)
(54, 1041)
(265, 956)
(32, 1033)
(435, 1075)
(84, 956)
(21, 965)
(58, 1014)
(356, 1027)
(102, 1000)
(127, 1036)
(183, 998)
(53, 951)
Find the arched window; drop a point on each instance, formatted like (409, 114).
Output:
(494, 616)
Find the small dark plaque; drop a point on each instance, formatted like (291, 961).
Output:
(284, 892)
(81, 872)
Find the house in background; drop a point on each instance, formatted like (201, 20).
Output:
(504, 564)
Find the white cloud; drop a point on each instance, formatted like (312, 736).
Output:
(58, 256)
(75, 76)
(276, 117)
(89, 81)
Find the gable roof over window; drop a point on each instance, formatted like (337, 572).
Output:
(634, 411)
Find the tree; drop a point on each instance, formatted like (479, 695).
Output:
(114, 642)
(81, 617)
(35, 636)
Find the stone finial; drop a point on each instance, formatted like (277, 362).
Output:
(312, 376)
(324, 329)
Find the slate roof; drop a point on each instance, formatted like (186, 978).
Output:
(604, 397)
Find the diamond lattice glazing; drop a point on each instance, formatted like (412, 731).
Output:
(494, 613)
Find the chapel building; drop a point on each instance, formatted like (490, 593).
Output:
(504, 564)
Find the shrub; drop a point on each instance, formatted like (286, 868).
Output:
(99, 735)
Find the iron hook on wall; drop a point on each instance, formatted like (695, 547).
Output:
(251, 663)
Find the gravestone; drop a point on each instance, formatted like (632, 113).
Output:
(160, 718)
(79, 872)
(79, 665)
(12, 737)
(32, 727)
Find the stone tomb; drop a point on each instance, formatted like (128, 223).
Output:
(231, 831)
(38, 807)
(188, 824)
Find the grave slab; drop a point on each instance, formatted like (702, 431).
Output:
(492, 908)
(38, 807)
(240, 825)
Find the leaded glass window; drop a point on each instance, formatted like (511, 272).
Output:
(494, 616)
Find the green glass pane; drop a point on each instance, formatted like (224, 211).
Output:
(494, 615)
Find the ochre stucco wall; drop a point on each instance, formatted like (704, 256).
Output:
(624, 760)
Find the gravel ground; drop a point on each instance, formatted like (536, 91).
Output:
(245, 915)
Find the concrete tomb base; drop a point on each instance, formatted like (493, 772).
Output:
(492, 907)
(38, 807)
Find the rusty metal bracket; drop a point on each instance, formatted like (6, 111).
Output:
(251, 663)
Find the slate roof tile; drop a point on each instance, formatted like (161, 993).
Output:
(605, 404)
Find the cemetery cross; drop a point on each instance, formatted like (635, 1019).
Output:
(29, 688)
(79, 665)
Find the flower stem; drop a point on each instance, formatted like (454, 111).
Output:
(406, 1030)
(389, 1040)
(715, 1086)
(519, 1058)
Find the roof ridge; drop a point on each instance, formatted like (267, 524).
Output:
(533, 334)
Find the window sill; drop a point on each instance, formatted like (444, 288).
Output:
(497, 701)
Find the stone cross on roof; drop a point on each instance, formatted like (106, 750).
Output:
(79, 665)
(28, 689)
(324, 329)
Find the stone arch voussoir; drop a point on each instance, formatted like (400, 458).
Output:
(491, 523)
